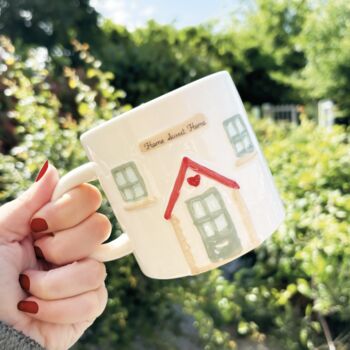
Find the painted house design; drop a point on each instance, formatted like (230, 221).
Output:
(199, 196)
(186, 179)
(209, 215)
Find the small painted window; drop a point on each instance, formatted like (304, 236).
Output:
(214, 224)
(129, 182)
(238, 135)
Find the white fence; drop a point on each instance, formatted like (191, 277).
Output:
(282, 112)
(324, 113)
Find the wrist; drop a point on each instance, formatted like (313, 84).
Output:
(12, 339)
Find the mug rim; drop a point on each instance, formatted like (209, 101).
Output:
(149, 104)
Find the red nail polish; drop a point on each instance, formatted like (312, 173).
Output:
(24, 281)
(28, 306)
(38, 225)
(39, 254)
(42, 171)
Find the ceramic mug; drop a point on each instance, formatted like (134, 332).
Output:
(186, 179)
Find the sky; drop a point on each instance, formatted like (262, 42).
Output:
(181, 13)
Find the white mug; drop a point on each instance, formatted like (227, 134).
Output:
(186, 179)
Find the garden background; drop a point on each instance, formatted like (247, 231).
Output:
(64, 69)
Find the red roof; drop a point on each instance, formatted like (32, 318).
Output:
(189, 163)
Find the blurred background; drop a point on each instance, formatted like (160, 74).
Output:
(66, 66)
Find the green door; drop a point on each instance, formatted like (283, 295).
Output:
(215, 225)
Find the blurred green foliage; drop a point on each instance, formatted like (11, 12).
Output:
(326, 41)
(51, 24)
(286, 51)
(297, 289)
(261, 51)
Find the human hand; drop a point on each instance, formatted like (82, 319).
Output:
(62, 294)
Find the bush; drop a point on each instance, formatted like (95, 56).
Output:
(296, 291)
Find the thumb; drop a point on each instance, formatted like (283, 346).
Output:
(15, 216)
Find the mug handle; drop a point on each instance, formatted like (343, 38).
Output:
(116, 249)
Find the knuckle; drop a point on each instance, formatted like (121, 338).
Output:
(101, 271)
(97, 273)
(91, 306)
(102, 226)
(102, 299)
(46, 286)
(41, 288)
(54, 256)
(51, 249)
(95, 197)
(51, 285)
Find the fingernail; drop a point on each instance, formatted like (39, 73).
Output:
(24, 281)
(39, 254)
(42, 171)
(38, 225)
(28, 306)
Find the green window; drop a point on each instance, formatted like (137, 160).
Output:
(214, 224)
(238, 135)
(129, 182)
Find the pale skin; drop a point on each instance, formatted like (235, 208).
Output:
(67, 287)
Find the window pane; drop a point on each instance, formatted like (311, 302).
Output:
(239, 147)
(128, 194)
(231, 130)
(130, 173)
(212, 203)
(139, 192)
(120, 179)
(221, 222)
(198, 209)
(247, 144)
(239, 124)
(208, 229)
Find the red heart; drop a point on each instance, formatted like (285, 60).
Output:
(194, 180)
